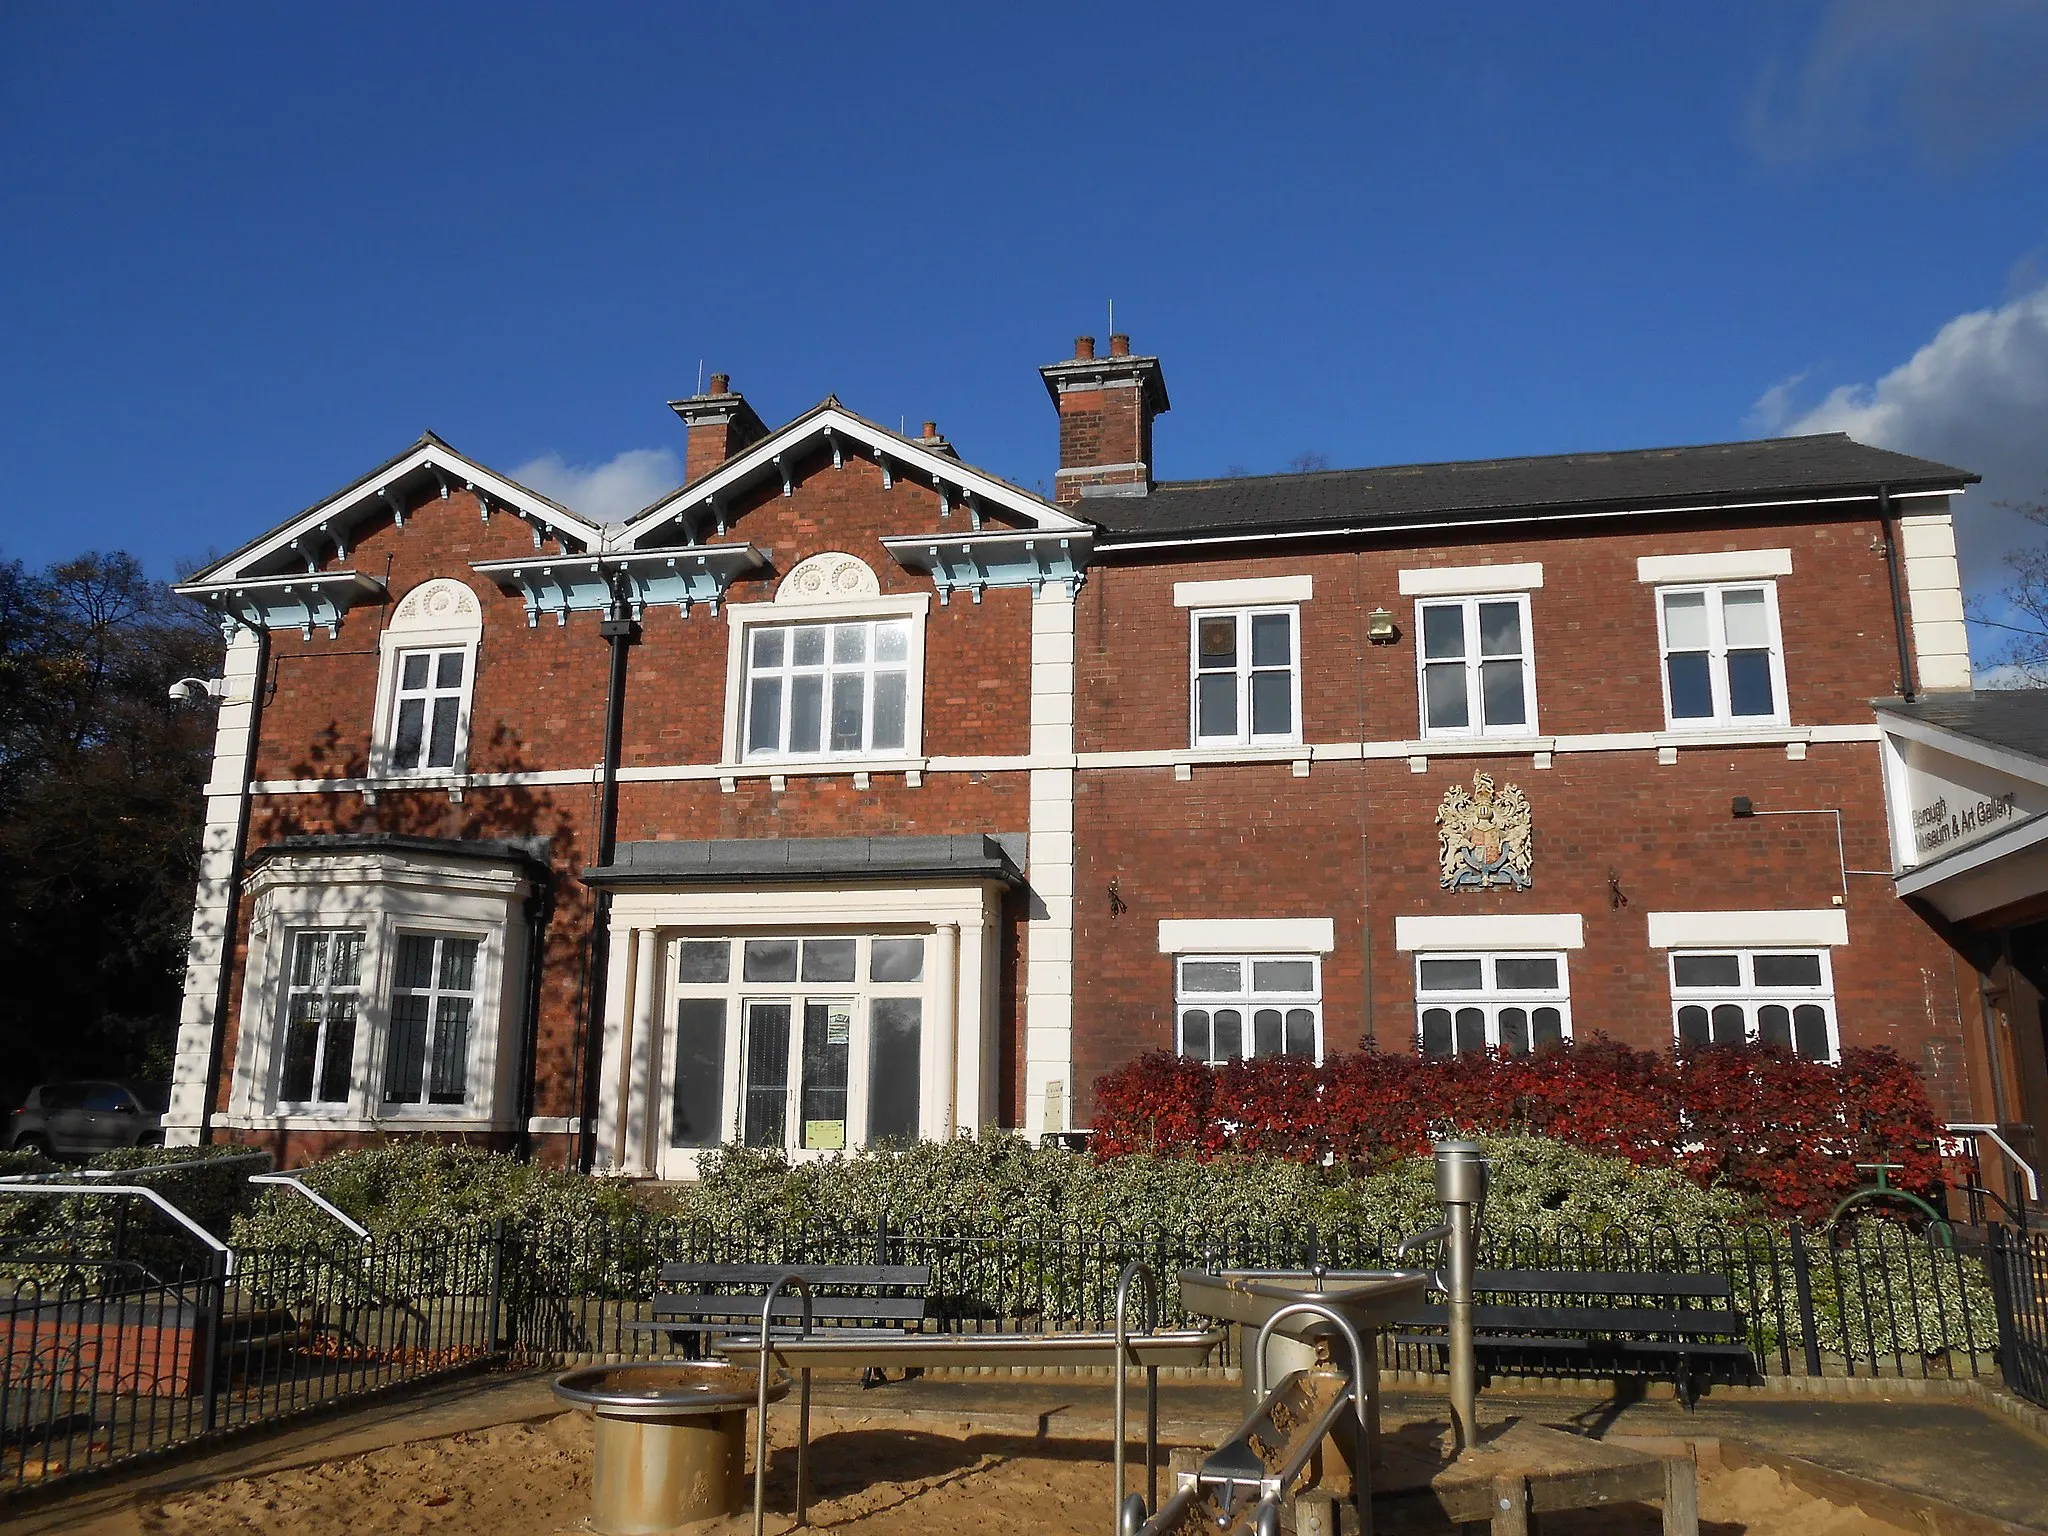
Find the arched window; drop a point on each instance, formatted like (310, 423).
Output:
(424, 680)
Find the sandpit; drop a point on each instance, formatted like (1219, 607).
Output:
(871, 1475)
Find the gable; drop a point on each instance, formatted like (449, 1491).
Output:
(428, 469)
(710, 505)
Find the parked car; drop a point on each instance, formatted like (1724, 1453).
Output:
(79, 1119)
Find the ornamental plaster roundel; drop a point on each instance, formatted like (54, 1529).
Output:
(437, 604)
(822, 578)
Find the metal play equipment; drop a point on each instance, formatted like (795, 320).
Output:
(860, 1349)
(670, 1437)
(1309, 1454)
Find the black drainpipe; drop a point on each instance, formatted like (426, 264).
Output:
(216, 1050)
(1891, 564)
(621, 630)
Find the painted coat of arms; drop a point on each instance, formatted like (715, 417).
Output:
(1483, 837)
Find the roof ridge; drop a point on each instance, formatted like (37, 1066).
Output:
(1519, 458)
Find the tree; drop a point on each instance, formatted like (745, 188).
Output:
(2019, 618)
(101, 805)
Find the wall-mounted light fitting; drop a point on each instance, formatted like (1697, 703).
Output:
(1379, 627)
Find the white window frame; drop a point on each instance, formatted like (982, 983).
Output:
(1244, 671)
(1752, 998)
(435, 616)
(1468, 605)
(743, 618)
(1491, 998)
(738, 994)
(1717, 657)
(288, 990)
(381, 894)
(828, 672)
(1247, 1000)
(433, 993)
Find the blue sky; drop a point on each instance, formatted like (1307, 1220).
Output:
(248, 252)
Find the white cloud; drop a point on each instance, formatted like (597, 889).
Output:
(1955, 81)
(1975, 396)
(1774, 406)
(609, 492)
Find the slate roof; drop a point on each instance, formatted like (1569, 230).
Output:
(2013, 718)
(1555, 485)
(972, 855)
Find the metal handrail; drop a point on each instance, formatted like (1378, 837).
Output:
(13, 1179)
(803, 1440)
(293, 1181)
(144, 1192)
(2033, 1182)
(1132, 1271)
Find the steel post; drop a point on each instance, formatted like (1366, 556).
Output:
(1461, 1186)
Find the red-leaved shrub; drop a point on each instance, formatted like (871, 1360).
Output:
(1757, 1119)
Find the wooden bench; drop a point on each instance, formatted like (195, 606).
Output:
(1597, 1320)
(717, 1302)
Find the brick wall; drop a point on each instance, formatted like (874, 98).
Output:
(538, 703)
(1356, 842)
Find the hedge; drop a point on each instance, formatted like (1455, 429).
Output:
(988, 1182)
(593, 1237)
(1758, 1121)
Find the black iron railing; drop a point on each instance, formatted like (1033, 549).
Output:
(2018, 1261)
(1875, 1299)
(104, 1358)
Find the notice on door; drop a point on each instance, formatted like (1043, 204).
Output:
(825, 1135)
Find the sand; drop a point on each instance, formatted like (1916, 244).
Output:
(870, 1477)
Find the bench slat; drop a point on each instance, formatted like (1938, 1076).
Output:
(1586, 1346)
(1587, 1319)
(900, 1308)
(765, 1275)
(1567, 1282)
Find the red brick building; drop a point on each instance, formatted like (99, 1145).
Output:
(850, 792)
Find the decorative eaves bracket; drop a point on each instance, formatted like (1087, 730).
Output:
(973, 562)
(566, 584)
(289, 602)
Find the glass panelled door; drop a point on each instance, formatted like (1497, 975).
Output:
(765, 1086)
(828, 1049)
(810, 1043)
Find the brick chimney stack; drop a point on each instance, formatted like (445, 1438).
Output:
(721, 424)
(1106, 407)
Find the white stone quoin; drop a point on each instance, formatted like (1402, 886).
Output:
(233, 748)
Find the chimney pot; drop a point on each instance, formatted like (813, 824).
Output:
(931, 429)
(721, 383)
(1119, 345)
(1084, 348)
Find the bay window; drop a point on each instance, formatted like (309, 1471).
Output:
(318, 1055)
(433, 999)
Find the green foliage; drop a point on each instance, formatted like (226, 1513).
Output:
(100, 811)
(1890, 1289)
(412, 1186)
(991, 1181)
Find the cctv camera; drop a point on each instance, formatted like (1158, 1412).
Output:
(193, 691)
